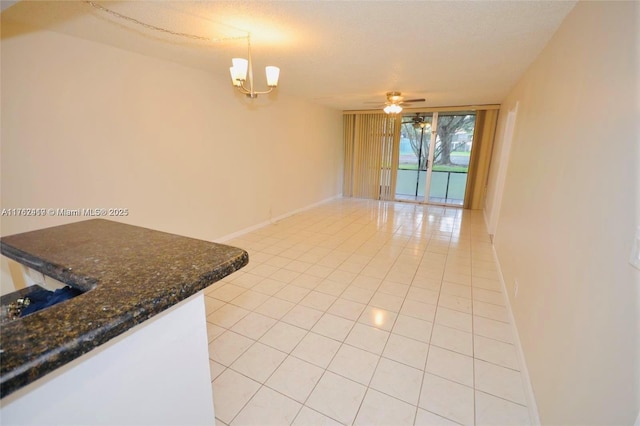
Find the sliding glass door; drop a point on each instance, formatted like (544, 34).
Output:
(432, 157)
(415, 138)
(434, 154)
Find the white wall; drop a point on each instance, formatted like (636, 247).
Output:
(569, 212)
(89, 125)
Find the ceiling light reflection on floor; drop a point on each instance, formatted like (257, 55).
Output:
(378, 317)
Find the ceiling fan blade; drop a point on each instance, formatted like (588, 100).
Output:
(414, 100)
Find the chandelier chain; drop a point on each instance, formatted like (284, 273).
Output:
(160, 29)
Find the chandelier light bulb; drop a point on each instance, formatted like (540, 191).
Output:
(240, 66)
(273, 74)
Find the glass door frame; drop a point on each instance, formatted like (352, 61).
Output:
(429, 160)
(432, 150)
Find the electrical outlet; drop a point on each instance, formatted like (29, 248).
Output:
(634, 259)
(516, 286)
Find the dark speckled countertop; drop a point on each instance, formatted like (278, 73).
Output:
(129, 274)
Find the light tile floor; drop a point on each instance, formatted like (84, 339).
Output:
(365, 312)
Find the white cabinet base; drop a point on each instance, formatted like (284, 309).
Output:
(155, 374)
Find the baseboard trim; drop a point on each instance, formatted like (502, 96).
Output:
(528, 389)
(274, 220)
(486, 219)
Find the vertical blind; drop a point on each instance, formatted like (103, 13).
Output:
(371, 150)
(369, 156)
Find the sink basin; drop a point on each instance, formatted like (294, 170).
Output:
(32, 299)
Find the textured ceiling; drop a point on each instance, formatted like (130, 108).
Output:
(337, 53)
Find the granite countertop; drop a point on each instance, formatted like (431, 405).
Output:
(128, 273)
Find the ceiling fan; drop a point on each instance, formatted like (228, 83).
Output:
(395, 100)
(418, 122)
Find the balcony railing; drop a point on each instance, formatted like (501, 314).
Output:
(446, 186)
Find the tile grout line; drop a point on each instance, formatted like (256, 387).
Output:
(368, 386)
(334, 355)
(333, 244)
(424, 371)
(473, 340)
(304, 404)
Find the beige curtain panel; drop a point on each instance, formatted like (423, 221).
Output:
(483, 136)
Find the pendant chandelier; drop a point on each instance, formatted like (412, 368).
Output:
(242, 75)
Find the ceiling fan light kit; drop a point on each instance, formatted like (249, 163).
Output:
(392, 109)
(394, 101)
(394, 97)
(418, 122)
